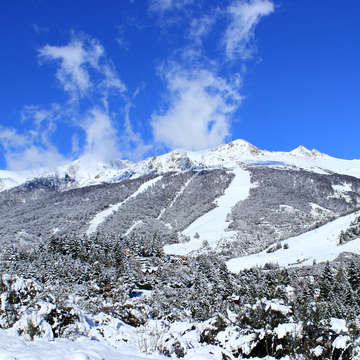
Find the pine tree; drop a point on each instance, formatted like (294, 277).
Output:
(326, 282)
(353, 275)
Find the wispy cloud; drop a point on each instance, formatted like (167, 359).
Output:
(40, 29)
(200, 27)
(75, 61)
(199, 102)
(198, 109)
(244, 16)
(133, 144)
(201, 89)
(87, 75)
(33, 148)
(162, 6)
(84, 71)
(121, 38)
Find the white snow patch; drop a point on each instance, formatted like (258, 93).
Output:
(338, 325)
(317, 351)
(287, 328)
(101, 216)
(341, 188)
(320, 245)
(278, 306)
(234, 340)
(317, 210)
(341, 341)
(212, 226)
(341, 191)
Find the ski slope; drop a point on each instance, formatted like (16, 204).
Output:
(212, 226)
(101, 216)
(317, 245)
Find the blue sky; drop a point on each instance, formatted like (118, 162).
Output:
(136, 78)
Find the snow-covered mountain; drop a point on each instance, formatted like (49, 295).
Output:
(235, 199)
(218, 252)
(85, 171)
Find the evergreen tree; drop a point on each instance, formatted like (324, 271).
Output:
(326, 282)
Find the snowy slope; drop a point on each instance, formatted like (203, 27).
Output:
(101, 216)
(84, 171)
(317, 245)
(240, 151)
(212, 226)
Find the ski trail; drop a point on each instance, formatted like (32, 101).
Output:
(132, 227)
(320, 245)
(101, 216)
(212, 225)
(180, 192)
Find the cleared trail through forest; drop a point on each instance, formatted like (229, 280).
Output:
(101, 216)
(212, 226)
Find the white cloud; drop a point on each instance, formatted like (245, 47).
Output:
(28, 151)
(200, 27)
(133, 145)
(34, 157)
(76, 60)
(200, 103)
(9, 138)
(244, 16)
(75, 144)
(199, 110)
(84, 71)
(162, 6)
(32, 148)
(71, 73)
(101, 138)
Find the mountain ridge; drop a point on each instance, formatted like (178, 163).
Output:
(85, 171)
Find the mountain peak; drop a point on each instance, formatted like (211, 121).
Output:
(239, 146)
(303, 151)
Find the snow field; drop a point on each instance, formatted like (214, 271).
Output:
(212, 226)
(15, 348)
(317, 245)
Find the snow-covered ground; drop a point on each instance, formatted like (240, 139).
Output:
(317, 245)
(101, 216)
(15, 348)
(212, 226)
